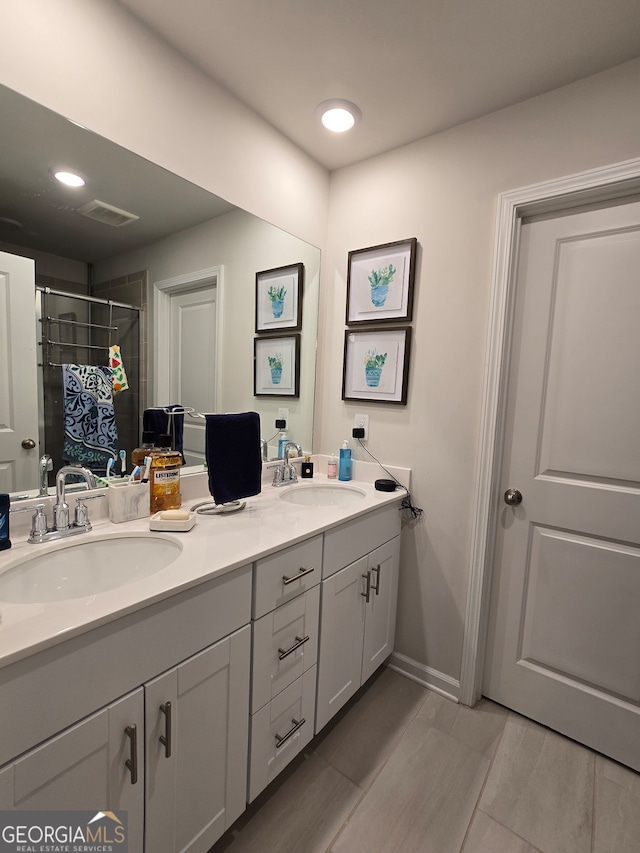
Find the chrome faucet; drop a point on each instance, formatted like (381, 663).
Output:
(40, 531)
(45, 465)
(285, 474)
(61, 508)
(264, 449)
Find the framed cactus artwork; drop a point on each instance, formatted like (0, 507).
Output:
(276, 366)
(376, 364)
(279, 298)
(380, 283)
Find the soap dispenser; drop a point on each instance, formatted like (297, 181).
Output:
(344, 466)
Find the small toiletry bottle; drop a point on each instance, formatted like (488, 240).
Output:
(306, 469)
(332, 467)
(164, 479)
(137, 455)
(282, 442)
(344, 467)
(5, 542)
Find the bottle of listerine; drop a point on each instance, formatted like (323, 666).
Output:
(138, 455)
(164, 479)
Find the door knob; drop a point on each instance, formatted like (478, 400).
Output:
(513, 497)
(28, 443)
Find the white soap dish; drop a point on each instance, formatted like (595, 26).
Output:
(177, 525)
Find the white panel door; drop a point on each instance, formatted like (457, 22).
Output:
(193, 362)
(18, 382)
(564, 634)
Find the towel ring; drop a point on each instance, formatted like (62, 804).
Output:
(209, 508)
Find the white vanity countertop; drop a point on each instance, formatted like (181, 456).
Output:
(216, 545)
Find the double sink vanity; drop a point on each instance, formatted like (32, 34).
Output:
(174, 675)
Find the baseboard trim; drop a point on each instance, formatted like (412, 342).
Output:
(425, 675)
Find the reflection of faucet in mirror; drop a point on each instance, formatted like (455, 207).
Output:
(46, 465)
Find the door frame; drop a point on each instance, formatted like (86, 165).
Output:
(593, 186)
(163, 290)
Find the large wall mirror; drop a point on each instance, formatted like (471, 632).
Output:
(174, 287)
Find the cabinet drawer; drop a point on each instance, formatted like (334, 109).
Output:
(285, 575)
(285, 644)
(280, 730)
(351, 540)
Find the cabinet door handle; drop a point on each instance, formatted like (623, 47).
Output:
(296, 725)
(367, 593)
(165, 739)
(300, 641)
(297, 577)
(376, 569)
(132, 762)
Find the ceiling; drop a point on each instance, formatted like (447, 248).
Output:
(36, 212)
(414, 67)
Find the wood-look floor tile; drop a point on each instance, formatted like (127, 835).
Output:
(421, 801)
(479, 727)
(541, 787)
(366, 734)
(487, 836)
(617, 817)
(302, 815)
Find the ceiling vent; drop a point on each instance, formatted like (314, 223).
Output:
(107, 213)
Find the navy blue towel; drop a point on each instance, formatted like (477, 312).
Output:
(159, 422)
(232, 451)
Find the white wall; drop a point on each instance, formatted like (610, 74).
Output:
(443, 191)
(94, 63)
(242, 244)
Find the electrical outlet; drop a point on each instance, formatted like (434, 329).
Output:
(284, 413)
(362, 421)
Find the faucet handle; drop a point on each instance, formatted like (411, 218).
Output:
(38, 521)
(81, 516)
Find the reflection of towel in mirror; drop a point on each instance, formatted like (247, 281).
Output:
(160, 422)
(232, 451)
(90, 432)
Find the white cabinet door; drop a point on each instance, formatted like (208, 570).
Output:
(380, 621)
(341, 636)
(196, 747)
(84, 768)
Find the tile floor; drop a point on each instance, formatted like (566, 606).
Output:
(402, 770)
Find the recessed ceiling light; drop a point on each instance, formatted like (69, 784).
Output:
(338, 115)
(69, 179)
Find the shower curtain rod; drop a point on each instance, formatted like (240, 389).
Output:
(94, 299)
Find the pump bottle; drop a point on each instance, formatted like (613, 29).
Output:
(344, 465)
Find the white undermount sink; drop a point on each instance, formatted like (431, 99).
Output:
(322, 495)
(84, 568)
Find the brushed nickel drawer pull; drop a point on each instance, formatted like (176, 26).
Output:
(283, 653)
(297, 577)
(165, 739)
(367, 595)
(132, 762)
(376, 569)
(296, 725)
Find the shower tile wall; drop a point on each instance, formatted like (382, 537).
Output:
(130, 336)
(132, 340)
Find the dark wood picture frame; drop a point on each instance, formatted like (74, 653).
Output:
(380, 283)
(372, 375)
(278, 299)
